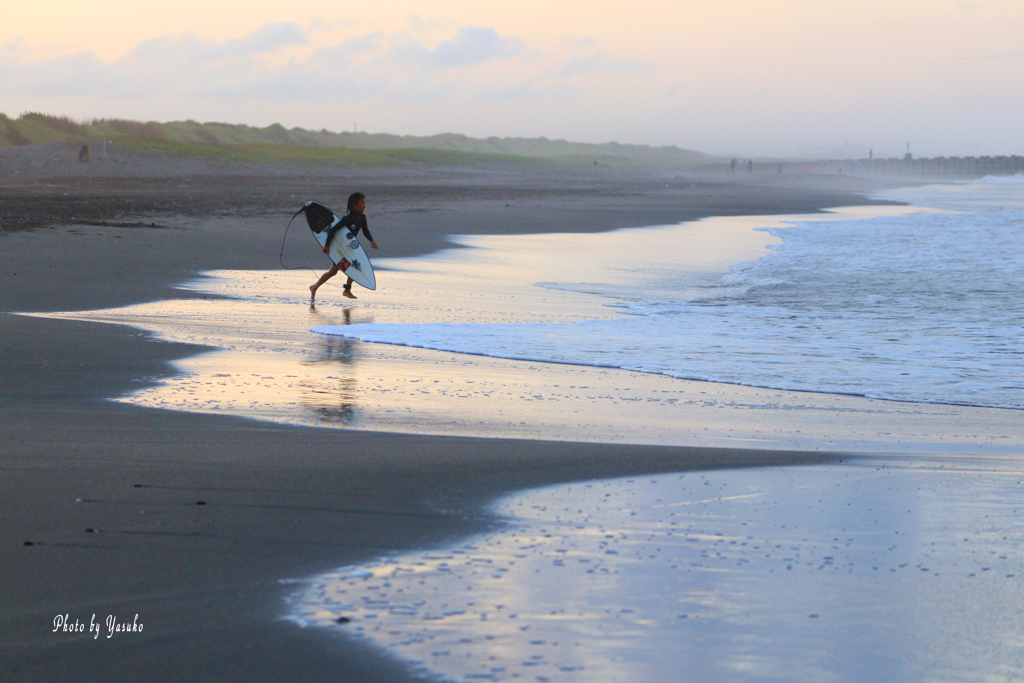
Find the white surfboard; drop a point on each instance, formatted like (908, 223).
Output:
(346, 251)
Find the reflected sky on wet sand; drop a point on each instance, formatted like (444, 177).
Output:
(852, 572)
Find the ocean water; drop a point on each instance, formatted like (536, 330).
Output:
(925, 307)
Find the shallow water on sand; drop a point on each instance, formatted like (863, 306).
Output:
(909, 570)
(271, 367)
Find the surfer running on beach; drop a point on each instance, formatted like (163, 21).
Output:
(354, 221)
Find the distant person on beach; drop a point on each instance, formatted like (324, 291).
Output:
(83, 154)
(354, 220)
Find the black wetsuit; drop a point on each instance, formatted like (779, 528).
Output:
(354, 222)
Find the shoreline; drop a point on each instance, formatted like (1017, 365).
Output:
(263, 364)
(276, 501)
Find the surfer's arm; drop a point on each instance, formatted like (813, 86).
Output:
(330, 236)
(366, 231)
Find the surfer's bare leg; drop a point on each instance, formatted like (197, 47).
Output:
(323, 278)
(348, 290)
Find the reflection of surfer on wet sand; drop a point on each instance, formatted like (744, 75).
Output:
(345, 260)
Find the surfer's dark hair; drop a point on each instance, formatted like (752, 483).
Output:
(354, 199)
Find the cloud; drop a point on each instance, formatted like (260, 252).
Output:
(189, 48)
(600, 63)
(270, 37)
(281, 64)
(474, 45)
(166, 51)
(345, 52)
(15, 48)
(471, 46)
(184, 66)
(80, 74)
(418, 24)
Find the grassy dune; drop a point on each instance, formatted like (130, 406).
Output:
(292, 154)
(277, 144)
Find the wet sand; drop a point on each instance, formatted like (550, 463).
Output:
(868, 570)
(189, 521)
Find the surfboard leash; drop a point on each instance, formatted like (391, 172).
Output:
(280, 255)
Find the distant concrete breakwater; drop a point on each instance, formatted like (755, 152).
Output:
(967, 167)
(962, 166)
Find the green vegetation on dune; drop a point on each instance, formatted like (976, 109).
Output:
(9, 133)
(298, 155)
(31, 129)
(277, 144)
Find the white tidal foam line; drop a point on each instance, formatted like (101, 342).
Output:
(816, 573)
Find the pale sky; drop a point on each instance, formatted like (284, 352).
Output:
(737, 77)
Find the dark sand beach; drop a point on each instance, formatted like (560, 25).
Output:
(190, 521)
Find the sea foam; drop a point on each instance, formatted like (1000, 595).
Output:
(923, 308)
